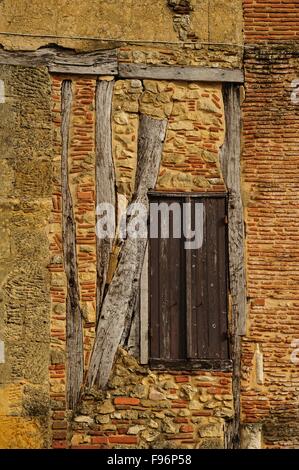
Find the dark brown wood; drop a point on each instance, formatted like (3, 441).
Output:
(188, 293)
(154, 297)
(105, 178)
(200, 316)
(216, 257)
(167, 286)
(212, 279)
(208, 330)
(230, 163)
(223, 262)
(119, 302)
(176, 283)
(191, 351)
(63, 61)
(186, 73)
(144, 311)
(74, 332)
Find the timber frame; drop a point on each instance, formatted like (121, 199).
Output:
(106, 63)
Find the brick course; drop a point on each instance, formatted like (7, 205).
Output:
(271, 20)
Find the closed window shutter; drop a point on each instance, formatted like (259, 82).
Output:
(207, 314)
(188, 287)
(167, 297)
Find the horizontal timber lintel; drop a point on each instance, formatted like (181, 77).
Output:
(61, 61)
(188, 73)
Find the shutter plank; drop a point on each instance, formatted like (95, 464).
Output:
(191, 345)
(154, 298)
(212, 280)
(216, 278)
(200, 295)
(222, 276)
(164, 298)
(176, 295)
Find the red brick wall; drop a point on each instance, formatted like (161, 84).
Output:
(271, 193)
(271, 20)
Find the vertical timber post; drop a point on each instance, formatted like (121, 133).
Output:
(231, 168)
(74, 328)
(105, 178)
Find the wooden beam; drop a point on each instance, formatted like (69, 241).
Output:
(131, 335)
(74, 331)
(82, 69)
(188, 73)
(119, 301)
(105, 177)
(62, 61)
(231, 169)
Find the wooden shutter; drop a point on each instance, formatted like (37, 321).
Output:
(207, 289)
(188, 288)
(167, 294)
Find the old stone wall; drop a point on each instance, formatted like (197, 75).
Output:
(190, 160)
(147, 409)
(270, 385)
(25, 205)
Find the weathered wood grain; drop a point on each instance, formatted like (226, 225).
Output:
(188, 73)
(63, 61)
(130, 339)
(119, 301)
(230, 163)
(105, 177)
(231, 169)
(74, 332)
